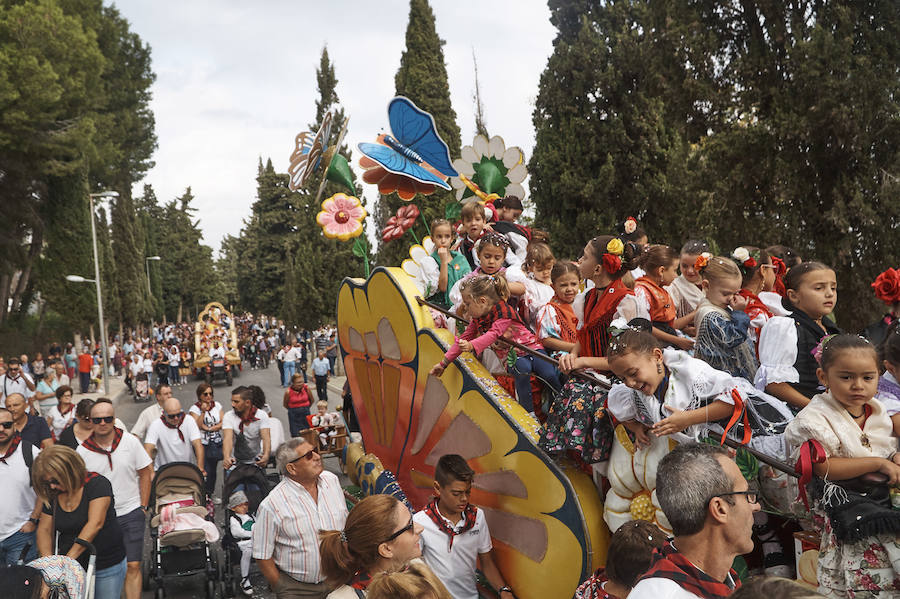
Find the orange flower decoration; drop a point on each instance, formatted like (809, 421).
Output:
(702, 260)
(400, 223)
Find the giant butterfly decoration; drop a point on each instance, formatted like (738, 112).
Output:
(412, 159)
(311, 151)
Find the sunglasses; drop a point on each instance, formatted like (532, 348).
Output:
(306, 456)
(401, 531)
(99, 419)
(8, 424)
(207, 393)
(175, 415)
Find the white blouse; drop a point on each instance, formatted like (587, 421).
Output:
(777, 353)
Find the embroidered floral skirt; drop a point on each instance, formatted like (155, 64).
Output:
(578, 423)
(866, 569)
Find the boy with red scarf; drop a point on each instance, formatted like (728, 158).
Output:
(455, 535)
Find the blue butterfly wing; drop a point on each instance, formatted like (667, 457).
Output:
(398, 164)
(415, 128)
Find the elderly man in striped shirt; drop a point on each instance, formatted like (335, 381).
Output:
(286, 534)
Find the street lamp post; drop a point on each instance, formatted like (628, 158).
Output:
(147, 262)
(96, 281)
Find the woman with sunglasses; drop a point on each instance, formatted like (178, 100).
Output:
(379, 536)
(208, 414)
(60, 416)
(81, 428)
(79, 505)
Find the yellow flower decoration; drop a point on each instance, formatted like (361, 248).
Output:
(615, 246)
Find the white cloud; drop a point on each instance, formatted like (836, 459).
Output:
(236, 82)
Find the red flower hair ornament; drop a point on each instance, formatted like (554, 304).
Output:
(887, 286)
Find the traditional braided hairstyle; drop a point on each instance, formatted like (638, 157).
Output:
(616, 261)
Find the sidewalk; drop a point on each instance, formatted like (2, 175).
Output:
(117, 391)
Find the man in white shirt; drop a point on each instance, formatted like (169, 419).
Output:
(121, 458)
(710, 507)
(217, 351)
(174, 438)
(246, 436)
(151, 413)
(21, 508)
(15, 381)
(307, 500)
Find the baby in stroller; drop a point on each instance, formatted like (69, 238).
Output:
(240, 523)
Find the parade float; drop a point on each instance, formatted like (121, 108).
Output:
(215, 328)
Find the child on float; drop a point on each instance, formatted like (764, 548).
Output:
(841, 434)
(787, 367)
(534, 275)
(757, 282)
(888, 386)
(887, 289)
(557, 324)
(445, 266)
(492, 250)
(507, 211)
(723, 337)
(628, 557)
(632, 232)
(577, 424)
(659, 263)
(667, 392)
(686, 290)
(473, 224)
(491, 317)
(784, 259)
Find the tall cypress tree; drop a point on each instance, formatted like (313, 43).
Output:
(130, 256)
(422, 78)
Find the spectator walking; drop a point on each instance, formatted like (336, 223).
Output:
(62, 415)
(321, 368)
(21, 509)
(173, 438)
(297, 403)
(152, 413)
(31, 427)
(208, 414)
(331, 351)
(15, 381)
(85, 364)
(246, 438)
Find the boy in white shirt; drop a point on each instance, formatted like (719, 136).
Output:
(240, 523)
(455, 534)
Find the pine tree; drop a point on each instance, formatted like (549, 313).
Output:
(422, 78)
(130, 256)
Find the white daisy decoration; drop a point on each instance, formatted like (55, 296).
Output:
(421, 267)
(492, 167)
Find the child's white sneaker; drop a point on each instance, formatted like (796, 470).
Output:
(246, 587)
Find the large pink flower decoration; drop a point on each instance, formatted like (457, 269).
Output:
(341, 217)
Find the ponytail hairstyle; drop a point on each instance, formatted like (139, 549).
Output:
(563, 268)
(257, 396)
(498, 240)
(615, 255)
(538, 254)
(354, 549)
(749, 260)
(716, 268)
(831, 346)
(655, 256)
(794, 277)
(636, 338)
(540, 236)
(494, 287)
(889, 350)
(414, 581)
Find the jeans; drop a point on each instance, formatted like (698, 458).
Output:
(85, 379)
(11, 548)
(109, 581)
(322, 387)
(526, 365)
(331, 361)
(173, 375)
(297, 420)
(288, 373)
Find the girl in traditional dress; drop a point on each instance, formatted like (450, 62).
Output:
(534, 275)
(787, 367)
(685, 289)
(757, 281)
(490, 317)
(578, 424)
(556, 323)
(841, 434)
(491, 250)
(888, 387)
(659, 263)
(723, 339)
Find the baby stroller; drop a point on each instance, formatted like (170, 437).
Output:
(141, 387)
(252, 480)
(63, 576)
(179, 489)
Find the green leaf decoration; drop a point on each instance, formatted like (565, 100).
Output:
(452, 211)
(748, 464)
(511, 358)
(359, 247)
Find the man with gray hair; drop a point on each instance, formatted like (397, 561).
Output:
(286, 534)
(710, 507)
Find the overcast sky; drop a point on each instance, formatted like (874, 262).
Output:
(236, 81)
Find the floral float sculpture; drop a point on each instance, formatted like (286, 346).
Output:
(400, 223)
(312, 152)
(418, 265)
(632, 478)
(341, 218)
(488, 167)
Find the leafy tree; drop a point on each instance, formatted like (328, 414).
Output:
(422, 78)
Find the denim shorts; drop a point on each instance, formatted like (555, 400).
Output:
(133, 525)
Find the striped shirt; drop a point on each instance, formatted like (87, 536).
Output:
(288, 523)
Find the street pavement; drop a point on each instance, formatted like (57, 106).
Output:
(128, 410)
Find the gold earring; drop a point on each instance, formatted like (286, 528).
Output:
(658, 368)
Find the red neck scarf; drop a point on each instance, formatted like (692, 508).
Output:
(199, 405)
(91, 444)
(568, 322)
(500, 310)
(599, 309)
(361, 580)
(668, 563)
(13, 445)
(177, 427)
(61, 413)
(755, 304)
(469, 514)
(248, 417)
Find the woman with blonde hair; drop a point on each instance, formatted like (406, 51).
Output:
(379, 536)
(79, 506)
(415, 581)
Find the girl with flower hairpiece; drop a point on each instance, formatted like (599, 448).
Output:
(577, 423)
(887, 289)
(686, 290)
(757, 282)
